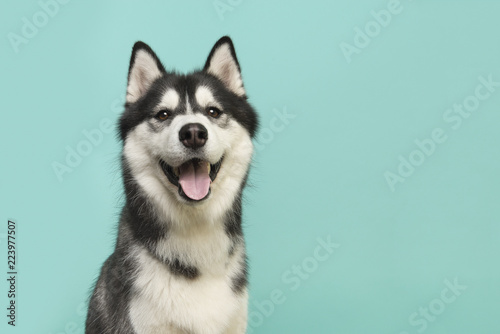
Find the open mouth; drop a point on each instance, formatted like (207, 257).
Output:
(193, 178)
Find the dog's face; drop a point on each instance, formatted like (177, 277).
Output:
(187, 138)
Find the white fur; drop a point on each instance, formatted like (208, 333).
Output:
(223, 65)
(165, 303)
(205, 98)
(189, 110)
(170, 100)
(204, 246)
(142, 74)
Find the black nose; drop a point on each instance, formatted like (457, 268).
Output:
(193, 135)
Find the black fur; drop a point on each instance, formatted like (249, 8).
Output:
(139, 216)
(181, 269)
(240, 281)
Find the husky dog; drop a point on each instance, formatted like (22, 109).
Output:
(179, 265)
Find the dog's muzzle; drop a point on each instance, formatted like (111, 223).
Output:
(193, 177)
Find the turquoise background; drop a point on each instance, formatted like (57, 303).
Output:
(319, 176)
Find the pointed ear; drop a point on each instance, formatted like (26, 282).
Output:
(223, 64)
(145, 68)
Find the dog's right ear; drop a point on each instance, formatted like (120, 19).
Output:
(145, 68)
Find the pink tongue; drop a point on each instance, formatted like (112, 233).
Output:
(194, 179)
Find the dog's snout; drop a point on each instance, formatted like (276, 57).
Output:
(193, 135)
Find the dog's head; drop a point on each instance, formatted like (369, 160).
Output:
(187, 138)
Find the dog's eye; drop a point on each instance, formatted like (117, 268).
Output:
(162, 115)
(214, 112)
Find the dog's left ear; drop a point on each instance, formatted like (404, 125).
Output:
(222, 63)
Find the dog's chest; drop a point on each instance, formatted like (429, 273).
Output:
(166, 302)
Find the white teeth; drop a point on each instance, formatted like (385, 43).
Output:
(176, 171)
(208, 164)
